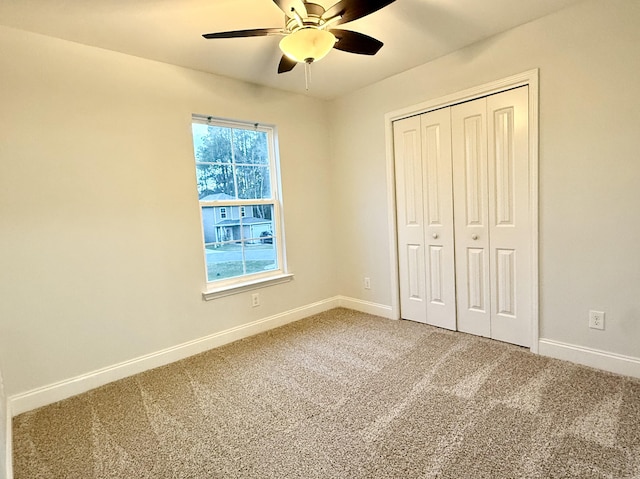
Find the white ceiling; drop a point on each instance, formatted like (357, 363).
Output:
(413, 31)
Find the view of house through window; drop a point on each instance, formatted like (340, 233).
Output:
(237, 187)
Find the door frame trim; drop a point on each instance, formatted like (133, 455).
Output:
(528, 78)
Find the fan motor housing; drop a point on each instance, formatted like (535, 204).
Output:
(313, 17)
(314, 10)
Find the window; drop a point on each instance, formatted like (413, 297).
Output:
(238, 188)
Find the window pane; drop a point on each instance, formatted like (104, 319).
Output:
(208, 225)
(212, 144)
(224, 260)
(260, 253)
(236, 258)
(217, 225)
(250, 147)
(254, 182)
(257, 223)
(215, 182)
(236, 245)
(261, 256)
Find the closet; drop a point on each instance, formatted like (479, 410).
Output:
(463, 217)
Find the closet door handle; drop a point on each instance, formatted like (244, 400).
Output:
(474, 237)
(435, 235)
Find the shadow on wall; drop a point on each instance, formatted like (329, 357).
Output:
(449, 30)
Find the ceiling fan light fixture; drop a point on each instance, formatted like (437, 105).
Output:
(308, 44)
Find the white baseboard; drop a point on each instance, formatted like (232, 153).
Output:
(612, 362)
(366, 307)
(64, 389)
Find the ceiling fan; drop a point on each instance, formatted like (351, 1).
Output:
(308, 33)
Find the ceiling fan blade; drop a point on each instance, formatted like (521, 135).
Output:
(286, 64)
(351, 10)
(254, 32)
(354, 42)
(287, 5)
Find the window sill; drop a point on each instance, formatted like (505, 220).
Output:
(237, 288)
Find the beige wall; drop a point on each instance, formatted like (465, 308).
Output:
(100, 244)
(589, 165)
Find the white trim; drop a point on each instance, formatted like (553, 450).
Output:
(529, 78)
(514, 81)
(534, 138)
(392, 218)
(8, 452)
(366, 307)
(231, 123)
(6, 455)
(36, 398)
(595, 358)
(246, 286)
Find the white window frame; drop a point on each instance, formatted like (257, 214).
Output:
(229, 286)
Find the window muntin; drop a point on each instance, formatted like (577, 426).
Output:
(237, 183)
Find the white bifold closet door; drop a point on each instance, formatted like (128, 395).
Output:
(492, 216)
(463, 208)
(425, 218)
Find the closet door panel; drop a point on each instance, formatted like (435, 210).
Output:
(509, 216)
(471, 218)
(439, 239)
(410, 219)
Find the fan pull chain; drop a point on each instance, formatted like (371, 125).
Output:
(307, 75)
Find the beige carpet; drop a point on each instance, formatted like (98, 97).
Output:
(344, 395)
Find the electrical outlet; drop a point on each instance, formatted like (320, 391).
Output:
(367, 283)
(596, 319)
(255, 300)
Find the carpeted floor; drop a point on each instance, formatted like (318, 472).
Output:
(344, 395)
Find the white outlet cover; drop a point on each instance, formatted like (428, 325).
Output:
(596, 319)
